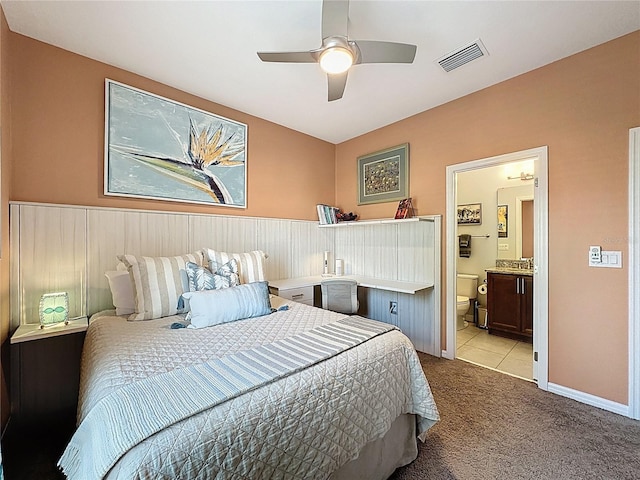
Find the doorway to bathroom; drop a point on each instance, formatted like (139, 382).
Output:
(493, 191)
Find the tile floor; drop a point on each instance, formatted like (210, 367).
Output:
(475, 345)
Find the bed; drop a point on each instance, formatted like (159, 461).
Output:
(162, 402)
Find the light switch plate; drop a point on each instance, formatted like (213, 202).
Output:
(609, 259)
(503, 247)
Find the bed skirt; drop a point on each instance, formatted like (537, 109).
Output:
(380, 458)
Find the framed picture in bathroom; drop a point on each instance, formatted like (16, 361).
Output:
(503, 224)
(470, 214)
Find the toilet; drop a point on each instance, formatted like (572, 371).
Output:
(466, 290)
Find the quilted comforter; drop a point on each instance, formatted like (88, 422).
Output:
(305, 425)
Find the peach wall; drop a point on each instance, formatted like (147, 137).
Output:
(5, 177)
(582, 107)
(58, 126)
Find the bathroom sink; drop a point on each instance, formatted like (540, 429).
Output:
(510, 270)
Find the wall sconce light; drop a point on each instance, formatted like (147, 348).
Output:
(523, 176)
(54, 309)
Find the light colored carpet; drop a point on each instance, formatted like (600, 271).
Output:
(494, 426)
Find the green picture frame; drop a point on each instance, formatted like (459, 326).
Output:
(383, 176)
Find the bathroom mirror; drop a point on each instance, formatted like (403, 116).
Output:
(514, 216)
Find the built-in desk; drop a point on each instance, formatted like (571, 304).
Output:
(285, 285)
(411, 306)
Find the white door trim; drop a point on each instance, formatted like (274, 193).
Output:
(540, 253)
(634, 273)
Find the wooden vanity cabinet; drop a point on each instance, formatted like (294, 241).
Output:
(527, 306)
(510, 305)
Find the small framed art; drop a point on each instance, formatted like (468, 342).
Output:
(503, 217)
(384, 176)
(470, 214)
(405, 209)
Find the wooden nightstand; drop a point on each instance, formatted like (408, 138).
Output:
(45, 372)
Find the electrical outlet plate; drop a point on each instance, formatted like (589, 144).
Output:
(595, 255)
(393, 308)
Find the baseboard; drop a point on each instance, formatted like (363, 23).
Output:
(447, 355)
(589, 399)
(578, 396)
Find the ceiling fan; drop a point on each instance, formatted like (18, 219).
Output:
(338, 53)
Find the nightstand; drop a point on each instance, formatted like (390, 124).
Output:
(45, 372)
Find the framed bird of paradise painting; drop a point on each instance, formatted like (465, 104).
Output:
(159, 149)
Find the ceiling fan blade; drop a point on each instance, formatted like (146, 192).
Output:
(335, 15)
(372, 51)
(337, 83)
(290, 57)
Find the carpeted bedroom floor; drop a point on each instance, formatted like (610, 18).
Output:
(494, 426)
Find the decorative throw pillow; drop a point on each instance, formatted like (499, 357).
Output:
(157, 283)
(250, 264)
(121, 292)
(201, 278)
(213, 307)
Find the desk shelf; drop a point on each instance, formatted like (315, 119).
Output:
(369, 282)
(377, 222)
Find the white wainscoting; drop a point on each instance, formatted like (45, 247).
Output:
(68, 248)
(405, 251)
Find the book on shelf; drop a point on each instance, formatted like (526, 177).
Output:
(327, 214)
(405, 209)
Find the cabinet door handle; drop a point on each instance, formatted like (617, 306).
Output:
(297, 295)
(522, 285)
(517, 286)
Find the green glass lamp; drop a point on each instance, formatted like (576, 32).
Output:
(54, 309)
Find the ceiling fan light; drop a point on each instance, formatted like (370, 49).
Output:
(336, 60)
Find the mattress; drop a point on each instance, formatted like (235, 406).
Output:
(305, 425)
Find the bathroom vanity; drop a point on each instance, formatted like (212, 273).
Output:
(510, 303)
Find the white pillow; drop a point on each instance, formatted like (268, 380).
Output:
(250, 264)
(121, 292)
(213, 307)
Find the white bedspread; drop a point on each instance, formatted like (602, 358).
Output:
(302, 426)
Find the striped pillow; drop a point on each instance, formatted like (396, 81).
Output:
(157, 283)
(250, 264)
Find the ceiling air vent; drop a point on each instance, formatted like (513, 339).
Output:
(463, 56)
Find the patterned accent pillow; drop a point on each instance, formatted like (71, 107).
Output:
(157, 283)
(250, 264)
(213, 307)
(201, 278)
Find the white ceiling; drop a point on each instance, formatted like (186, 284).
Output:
(209, 49)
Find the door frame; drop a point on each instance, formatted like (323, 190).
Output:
(634, 273)
(540, 253)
